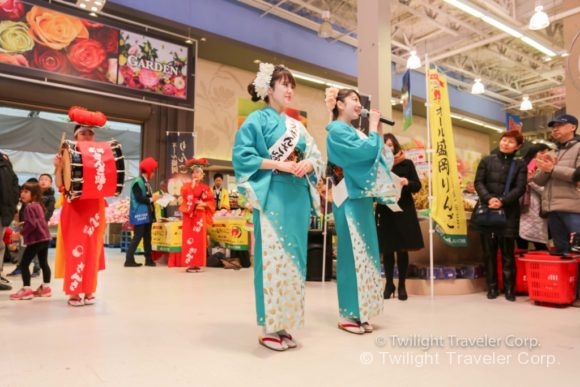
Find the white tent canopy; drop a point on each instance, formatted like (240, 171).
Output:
(31, 144)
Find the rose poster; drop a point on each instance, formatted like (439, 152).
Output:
(50, 44)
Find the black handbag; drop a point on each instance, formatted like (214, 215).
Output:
(489, 217)
(484, 216)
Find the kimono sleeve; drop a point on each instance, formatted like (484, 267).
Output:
(249, 148)
(347, 148)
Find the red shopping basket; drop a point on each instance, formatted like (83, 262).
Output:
(521, 285)
(551, 278)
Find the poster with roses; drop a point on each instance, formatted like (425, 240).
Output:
(63, 47)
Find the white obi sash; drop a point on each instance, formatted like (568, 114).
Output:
(284, 147)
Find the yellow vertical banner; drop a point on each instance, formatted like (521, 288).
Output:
(447, 207)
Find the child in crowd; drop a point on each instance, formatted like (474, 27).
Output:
(36, 237)
(48, 200)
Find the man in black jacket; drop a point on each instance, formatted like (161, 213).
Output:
(9, 195)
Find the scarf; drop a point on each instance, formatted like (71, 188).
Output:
(400, 156)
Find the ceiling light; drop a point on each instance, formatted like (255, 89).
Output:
(325, 30)
(538, 46)
(478, 87)
(477, 122)
(465, 8)
(539, 19)
(320, 80)
(92, 6)
(413, 61)
(513, 31)
(526, 103)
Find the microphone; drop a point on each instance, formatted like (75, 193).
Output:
(365, 113)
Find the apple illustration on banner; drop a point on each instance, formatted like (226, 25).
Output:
(236, 231)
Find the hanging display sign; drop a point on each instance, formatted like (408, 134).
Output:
(447, 210)
(179, 149)
(407, 100)
(58, 46)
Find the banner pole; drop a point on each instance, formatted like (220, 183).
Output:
(325, 215)
(429, 152)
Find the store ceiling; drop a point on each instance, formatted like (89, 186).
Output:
(461, 45)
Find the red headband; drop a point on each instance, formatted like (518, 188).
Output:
(201, 162)
(84, 117)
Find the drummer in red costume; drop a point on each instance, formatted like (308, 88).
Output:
(197, 208)
(79, 246)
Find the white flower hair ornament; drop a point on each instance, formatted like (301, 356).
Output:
(330, 95)
(263, 79)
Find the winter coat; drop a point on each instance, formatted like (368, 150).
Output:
(560, 193)
(35, 228)
(48, 201)
(400, 231)
(9, 191)
(490, 181)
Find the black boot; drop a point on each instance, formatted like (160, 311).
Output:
(492, 293)
(149, 261)
(389, 291)
(507, 246)
(403, 265)
(402, 292)
(389, 262)
(489, 247)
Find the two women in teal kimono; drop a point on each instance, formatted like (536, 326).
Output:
(277, 165)
(364, 165)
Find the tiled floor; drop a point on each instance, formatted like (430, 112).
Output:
(164, 327)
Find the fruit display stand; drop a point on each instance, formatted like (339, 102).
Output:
(112, 237)
(166, 241)
(446, 257)
(230, 232)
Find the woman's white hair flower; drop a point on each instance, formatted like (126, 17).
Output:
(263, 79)
(330, 95)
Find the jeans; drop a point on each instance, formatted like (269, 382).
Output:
(561, 225)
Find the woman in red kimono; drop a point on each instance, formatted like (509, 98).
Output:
(80, 251)
(197, 208)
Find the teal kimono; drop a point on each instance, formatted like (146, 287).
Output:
(366, 167)
(282, 204)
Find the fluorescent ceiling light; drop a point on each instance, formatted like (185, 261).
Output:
(538, 46)
(477, 122)
(478, 87)
(501, 26)
(319, 80)
(513, 31)
(465, 8)
(308, 78)
(539, 19)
